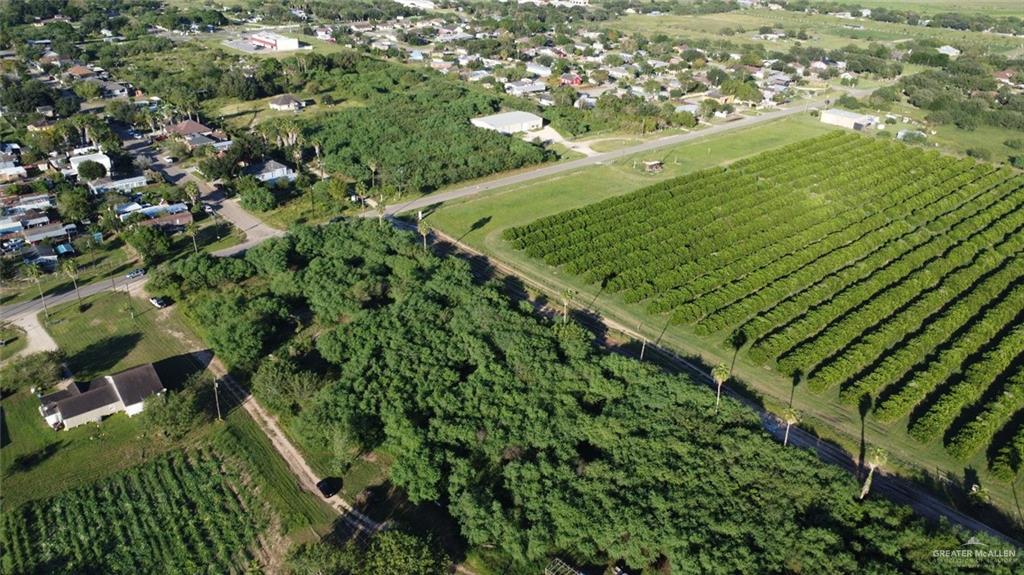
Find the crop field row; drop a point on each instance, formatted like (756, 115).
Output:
(867, 268)
(181, 513)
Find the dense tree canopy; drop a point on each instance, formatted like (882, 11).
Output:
(399, 134)
(540, 444)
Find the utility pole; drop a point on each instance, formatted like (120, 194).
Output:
(216, 398)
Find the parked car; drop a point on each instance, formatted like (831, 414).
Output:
(209, 209)
(137, 273)
(329, 486)
(159, 302)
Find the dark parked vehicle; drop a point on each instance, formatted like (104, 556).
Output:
(329, 486)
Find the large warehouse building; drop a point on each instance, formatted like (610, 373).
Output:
(273, 41)
(847, 119)
(510, 122)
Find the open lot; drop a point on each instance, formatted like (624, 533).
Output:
(825, 31)
(480, 222)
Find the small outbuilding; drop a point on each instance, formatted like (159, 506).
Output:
(510, 122)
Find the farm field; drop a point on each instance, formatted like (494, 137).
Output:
(186, 512)
(481, 222)
(990, 7)
(827, 32)
(865, 267)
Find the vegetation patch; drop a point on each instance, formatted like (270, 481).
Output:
(187, 512)
(865, 266)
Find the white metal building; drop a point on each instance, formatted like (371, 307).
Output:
(274, 41)
(510, 122)
(847, 119)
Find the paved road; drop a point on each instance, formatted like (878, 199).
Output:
(605, 157)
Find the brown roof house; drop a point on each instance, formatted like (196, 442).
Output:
(81, 403)
(189, 128)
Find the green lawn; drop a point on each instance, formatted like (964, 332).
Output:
(14, 340)
(952, 139)
(485, 216)
(825, 31)
(38, 462)
(990, 7)
(107, 258)
(480, 221)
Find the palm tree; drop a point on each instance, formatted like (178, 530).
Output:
(876, 458)
(191, 229)
(382, 210)
(567, 295)
(791, 417)
(719, 373)
(32, 272)
(192, 191)
(70, 269)
(424, 229)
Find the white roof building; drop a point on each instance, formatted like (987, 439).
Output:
(510, 122)
(98, 157)
(274, 41)
(847, 119)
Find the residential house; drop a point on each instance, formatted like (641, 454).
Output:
(525, 87)
(538, 69)
(285, 102)
(41, 255)
(55, 230)
(79, 72)
(188, 128)
(570, 79)
(10, 168)
(949, 51)
(271, 171)
(100, 158)
(123, 185)
(81, 403)
(114, 90)
(169, 221)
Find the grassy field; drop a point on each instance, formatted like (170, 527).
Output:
(952, 139)
(107, 258)
(38, 462)
(825, 31)
(14, 340)
(990, 7)
(480, 221)
(507, 207)
(301, 513)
